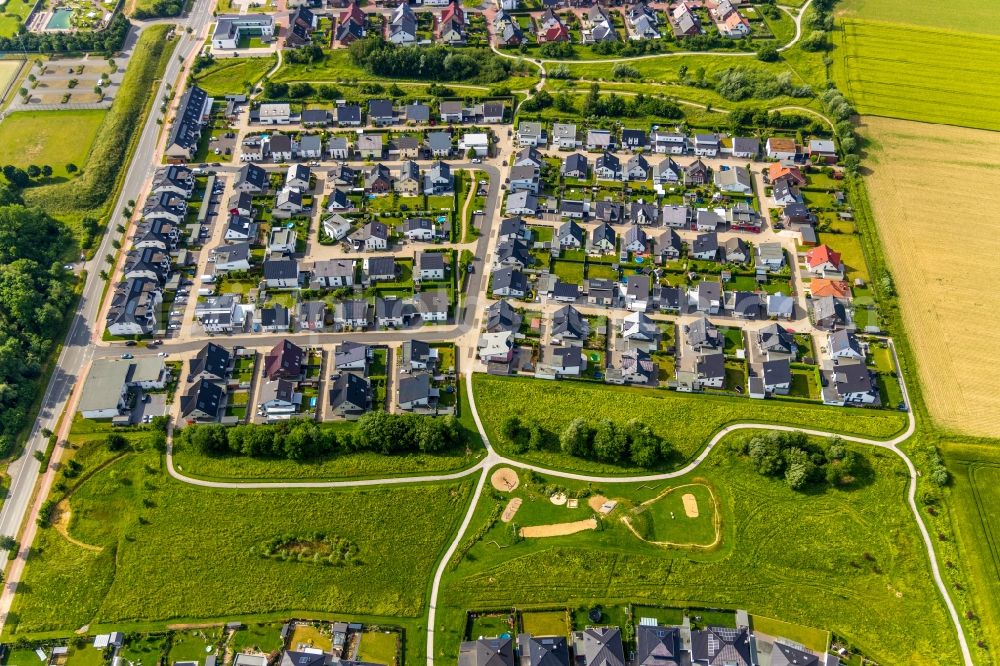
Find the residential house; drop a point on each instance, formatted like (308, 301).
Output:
(829, 313)
(351, 25)
(785, 193)
(506, 29)
(431, 266)
(825, 262)
(658, 645)
(522, 203)
(352, 313)
(843, 346)
(350, 395)
(233, 257)
(551, 28)
(599, 139)
(281, 273)
(281, 240)
(770, 256)
(348, 115)
(611, 212)
(336, 226)
(603, 239)
(380, 269)
(671, 143)
(640, 212)
(780, 148)
(439, 180)
(569, 326)
(418, 229)
(748, 148)
(706, 219)
(407, 181)
(334, 273)
(311, 316)
(174, 179)
(417, 112)
(431, 305)
(342, 175)
(780, 306)
(637, 168)
(778, 172)
(251, 179)
(439, 144)
(634, 139)
(696, 173)
(576, 166)
(370, 146)
(451, 24)
(608, 167)
(676, 217)
(202, 401)
(193, 113)
(822, 150)
(735, 251)
(706, 247)
(487, 652)
(415, 391)
(706, 297)
(390, 312)
(373, 236)
(746, 305)
(149, 262)
(509, 281)
(598, 26)
(403, 25)
(642, 22)
(525, 179)
(531, 133)
(706, 145)
(736, 180)
(418, 355)
(599, 646)
(564, 136)
(135, 303)
(513, 228)
(635, 240)
(339, 201)
(284, 361)
(668, 299)
(668, 246)
(561, 362)
(212, 362)
(636, 292)
(850, 384)
(637, 328)
(528, 156)
(501, 316)
(667, 172)
(684, 22)
(351, 356)
(600, 291)
(819, 287)
(570, 234)
(278, 400)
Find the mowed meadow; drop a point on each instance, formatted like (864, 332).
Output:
(914, 73)
(144, 547)
(932, 190)
(962, 15)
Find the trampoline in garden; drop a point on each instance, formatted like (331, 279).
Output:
(595, 357)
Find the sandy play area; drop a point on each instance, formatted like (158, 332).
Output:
(596, 501)
(690, 505)
(559, 529)
(505, 479)
(512, 506)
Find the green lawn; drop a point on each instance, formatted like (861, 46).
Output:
(194, 645)
(774, 560)
(172, 551)
(145, 650)
(53, 138)
(686, 421)
(258, 637)
(545, 623)
(15, 12)
(851, 254)
(378, 647)
(569, 271)
(814, 639)
(665, 519)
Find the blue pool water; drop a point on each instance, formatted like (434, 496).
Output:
(60, 20)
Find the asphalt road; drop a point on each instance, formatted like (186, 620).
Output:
(77, 350)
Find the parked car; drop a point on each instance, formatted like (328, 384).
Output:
(126, 355)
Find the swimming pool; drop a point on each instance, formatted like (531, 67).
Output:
(60, 20)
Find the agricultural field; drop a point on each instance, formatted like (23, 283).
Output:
(53, 138)
(962, 15)
(775, 560)
(974, 515)
(148, 548)
(233, 75)
(686, 421)
(918, 73)
(949, 316)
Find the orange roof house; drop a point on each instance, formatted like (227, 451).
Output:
(824, 287)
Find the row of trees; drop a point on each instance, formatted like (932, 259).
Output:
(604, 441)
(790, 455)
(159, 9)
(378, 431)
(596, 105)
(106, 41)
(434, 63)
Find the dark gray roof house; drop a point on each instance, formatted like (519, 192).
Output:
(501, 316)
(601, 646)
(778, 371)
(658, 646)
(202, 401)
(290, 658)
(569, 324)
(212, 361)
(721, 646)
(350, 393)
(487, 652)
(543, 650)
(786, 655)
(380, 111)
(417, 112)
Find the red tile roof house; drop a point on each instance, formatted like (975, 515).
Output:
(824, 262)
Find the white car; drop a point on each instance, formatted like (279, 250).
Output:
(162, 354)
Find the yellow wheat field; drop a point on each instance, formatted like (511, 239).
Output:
(935, 191)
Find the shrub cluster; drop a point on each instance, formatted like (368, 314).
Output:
(378, 431)
(790, 455)
(435, 63)
(604, 441)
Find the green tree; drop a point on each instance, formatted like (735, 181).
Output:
(575, 438)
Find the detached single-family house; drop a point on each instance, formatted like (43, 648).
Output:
(780, 148)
